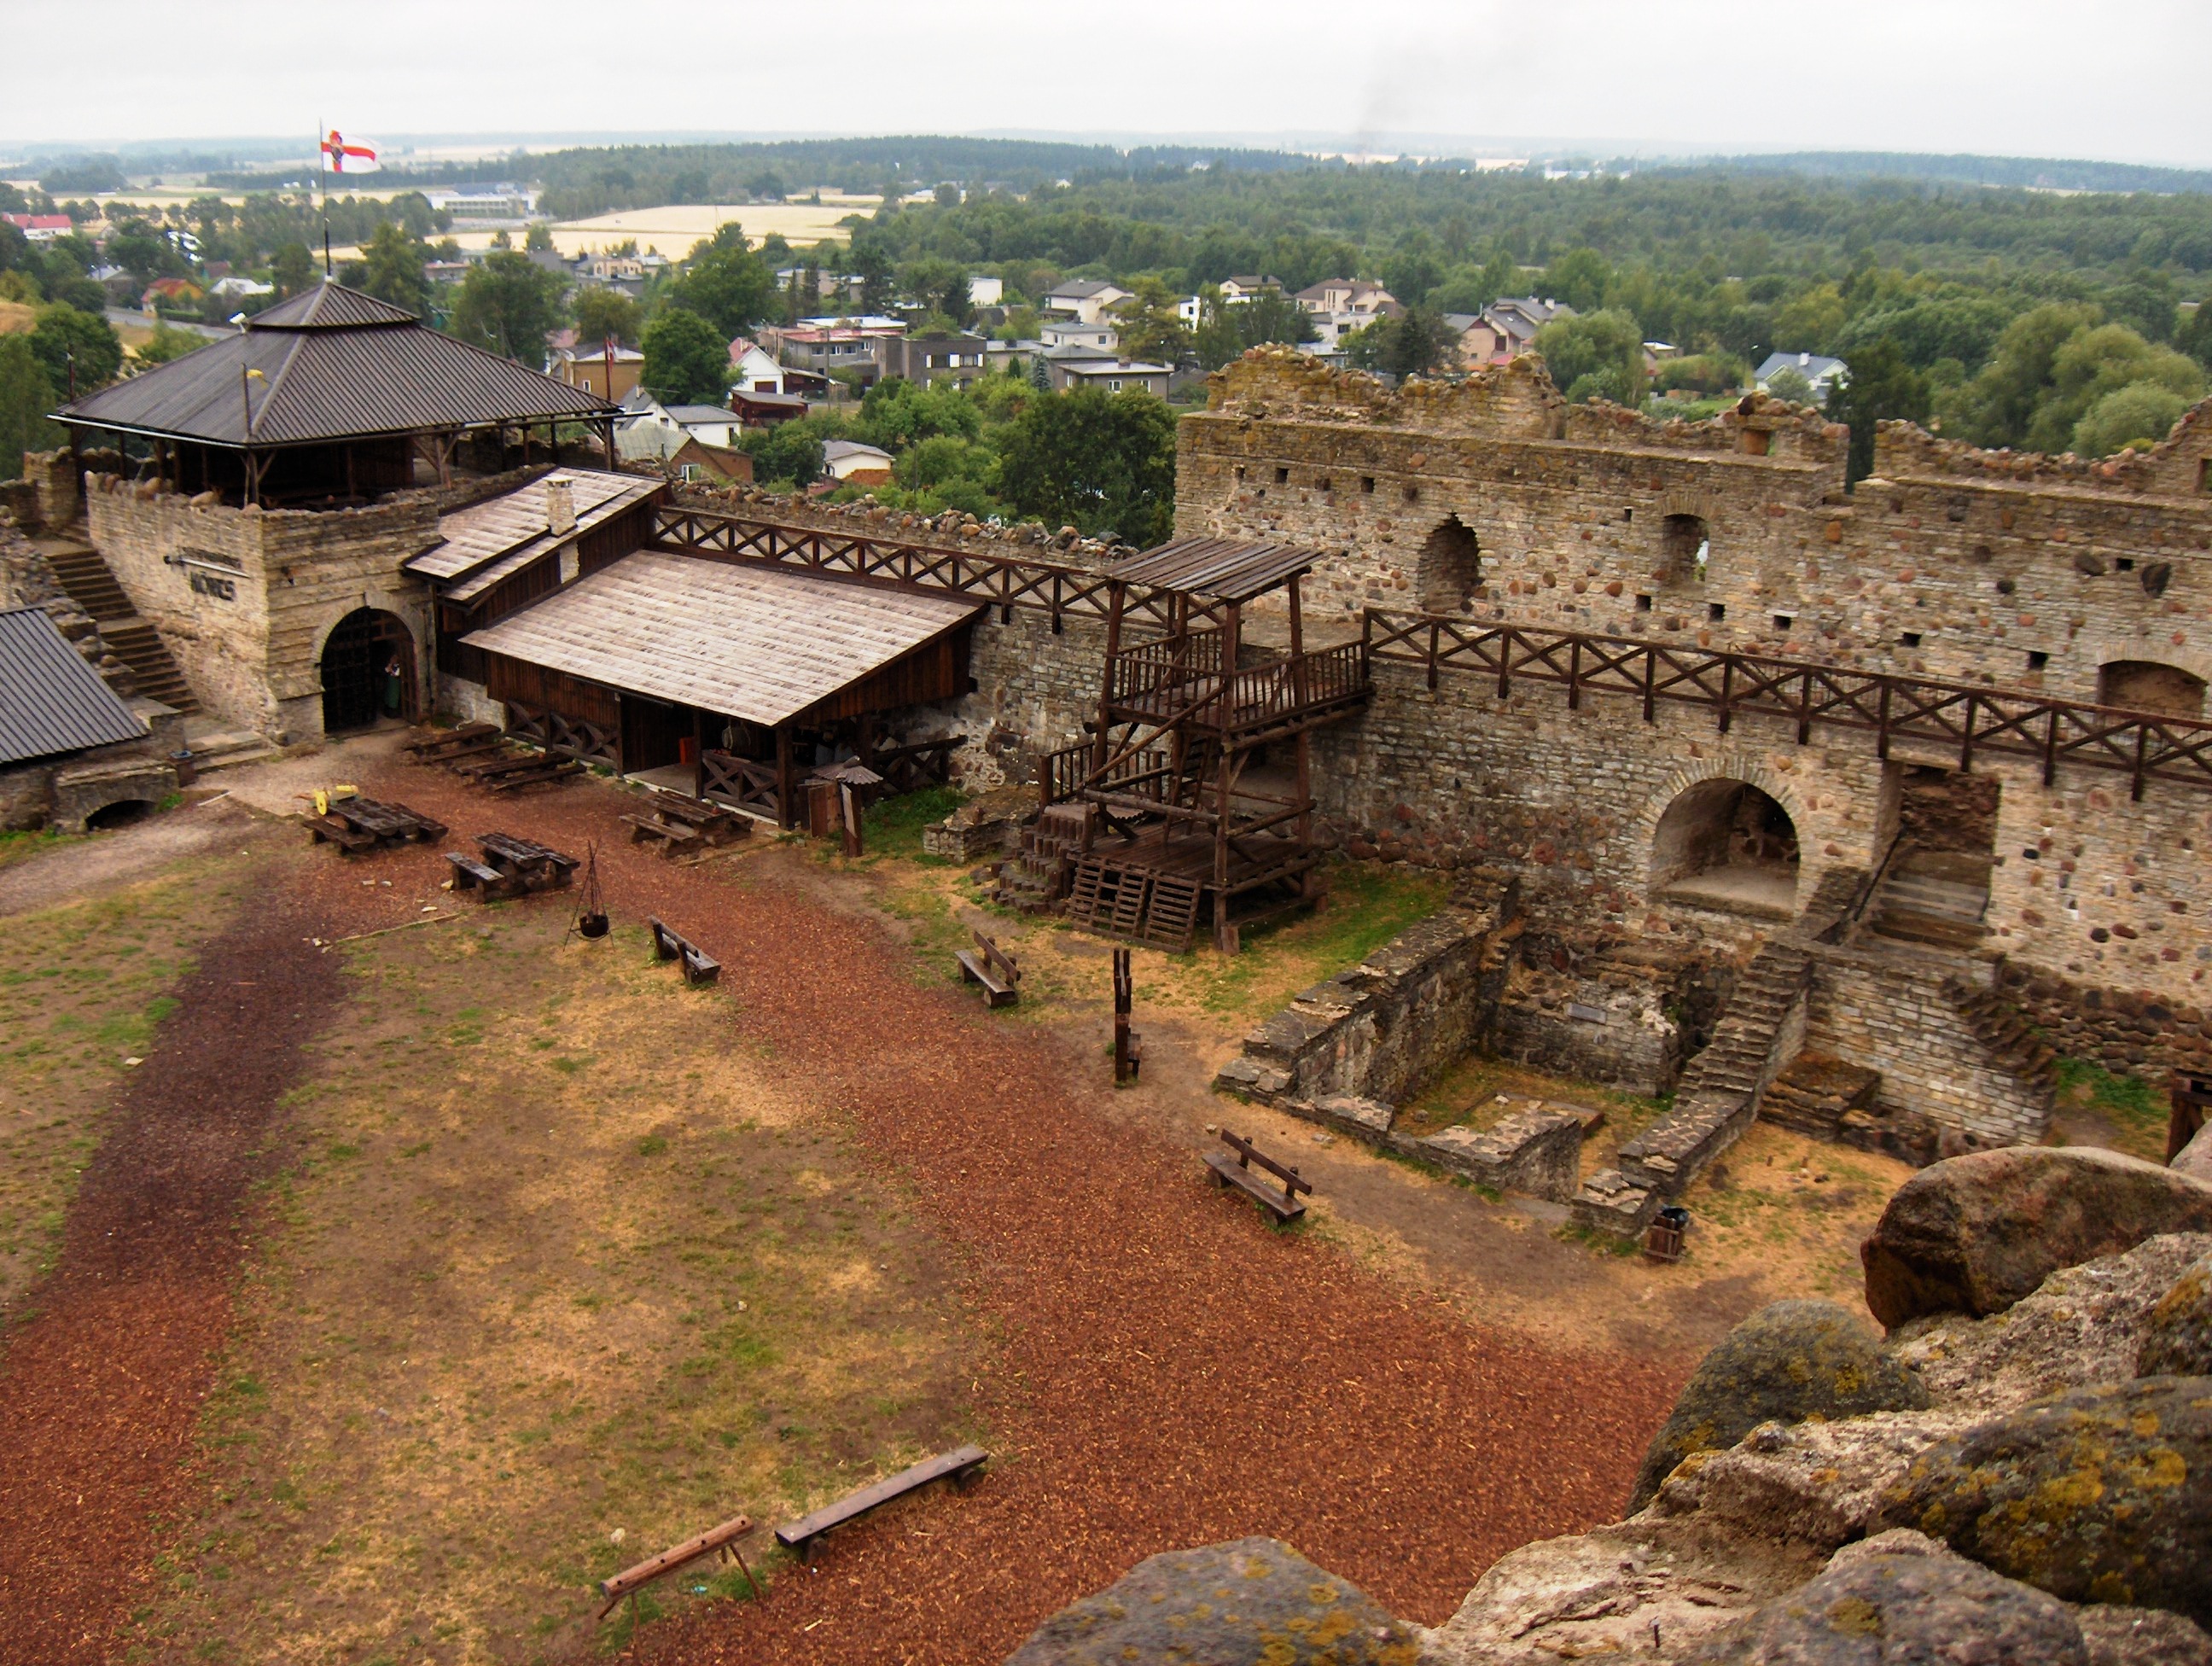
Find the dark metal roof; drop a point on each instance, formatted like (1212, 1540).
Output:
(1215, 568)
(339, 365)
(51, 701)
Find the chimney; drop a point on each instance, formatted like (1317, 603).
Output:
(560, 504)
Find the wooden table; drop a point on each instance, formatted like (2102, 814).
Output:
(533, 866)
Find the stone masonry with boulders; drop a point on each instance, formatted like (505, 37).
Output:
(2019, 1474)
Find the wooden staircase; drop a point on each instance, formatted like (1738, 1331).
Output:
(1035, 878)
(92, 586)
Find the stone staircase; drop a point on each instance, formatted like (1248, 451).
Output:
(86, 578)
(1816, 1092)
(2005, 1035)
(1937, 898)
(1742, 1053)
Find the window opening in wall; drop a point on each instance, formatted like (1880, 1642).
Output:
(1366, 483)
(1449, 569)
(1627, 515)
(1910, 639)
(1412, 494)
(1783, 621)
(1725, 844)
(1685, 548)
(1321, 484)
(1716, 612)
(2125, 564)
(1240, 470)
(2149, 685)
(1282, 476)
(1644, 604)
(2204, 474)
(2037, 659)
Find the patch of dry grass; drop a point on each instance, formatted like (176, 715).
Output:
(570, 1272)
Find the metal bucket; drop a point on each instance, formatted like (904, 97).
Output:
(590, 924)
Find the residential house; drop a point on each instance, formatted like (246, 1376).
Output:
(584, 365)
(1109, 374)
(1083, 298)
(754, 368)
(765, 410)
(1822, 372)
(695, 462)
(1339, 305)
(1235, 291)
(650, 431)
(955, 359)
(1508, 329)
(848, 460)
(233, 287)
(1073, 333)
(169, 292)
(986, 292)
(504, 201)
(40, 228)
(873, 324)
(831, 351)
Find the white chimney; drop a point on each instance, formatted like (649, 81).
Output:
(560, 504)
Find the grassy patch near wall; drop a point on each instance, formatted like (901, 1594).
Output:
(2123, 1112)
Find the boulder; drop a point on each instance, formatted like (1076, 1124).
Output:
(2099, 1495)
(2177, 1335)
(2195, 1158)
(2140, 1637)
(1974, 1234)
(1788, 1362)
(2073, 1332)
(1245, 1603)
(1897, 1601)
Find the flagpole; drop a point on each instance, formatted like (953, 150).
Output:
(323, 185)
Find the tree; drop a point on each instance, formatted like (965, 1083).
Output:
(788, 450)
(1789, 383)
(1226, 331)
(1880, 387)
(726, 284)
(292, 269)
(1415, 342)
(687, 361)
(539, 236)
(1150, 328)
(1995, 408)
(1595, 356)
(896, 413)
(872, 266)
(78, 350)
(2194, 338)
(1104, 464)
(395, 268)
(507, 306)
(2139, 414)
(169, 342)
(605, 314)
(2092, 363)
(25, 396)
(1581, 278)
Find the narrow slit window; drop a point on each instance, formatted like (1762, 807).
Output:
(2037, 659)
(1784, 622)
(1910, 639)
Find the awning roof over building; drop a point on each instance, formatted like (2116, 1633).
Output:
(51, 701)
(334, 364)
(483, 543)
(1215, 568)
(751, 641)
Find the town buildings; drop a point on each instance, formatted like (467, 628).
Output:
(958, 360)
(1340, 306)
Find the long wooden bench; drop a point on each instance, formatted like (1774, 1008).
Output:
(488, 882)
(989, 964)
(957, 1466)
(699, 966)
(1282, 1203)
(438, 745)
(330, 829)
(549, 770)
(668, 837)
(722, 1539)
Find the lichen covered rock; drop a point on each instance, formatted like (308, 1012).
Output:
(1899, 1601)
(2177, 1335)
(2120, 1636)
(2099, 1495)
(1975, 1234)
(1788, 1362)
(1252, 1602)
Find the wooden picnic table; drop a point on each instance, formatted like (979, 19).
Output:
(359, 824)
(540, 867)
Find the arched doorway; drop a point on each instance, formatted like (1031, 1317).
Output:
(1725, 844)
(360, 682)
(2148, 685)
(122, 813)
(1449, 569)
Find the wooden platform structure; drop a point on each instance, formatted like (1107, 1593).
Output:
(1183, 834)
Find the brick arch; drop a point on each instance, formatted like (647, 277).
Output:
(2158, 649)
(1751, 772)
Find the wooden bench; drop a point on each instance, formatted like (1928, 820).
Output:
(533, 778)
(438, 745)
(671, 836)
(330, 829)
(989, 964)
(699, 966)
(1282, 1204)
(715, 824)
(955, 1466)
(488, 882)
(532, 866)
(723, 1539)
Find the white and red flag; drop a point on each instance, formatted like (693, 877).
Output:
(347, 156)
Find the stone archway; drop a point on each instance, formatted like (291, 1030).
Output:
(2151, 685)
(1449, 569)
(1728, 837)
(360, 685)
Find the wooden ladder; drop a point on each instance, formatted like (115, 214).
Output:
(1173, 916)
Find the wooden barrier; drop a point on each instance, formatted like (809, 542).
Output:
(631, 1580)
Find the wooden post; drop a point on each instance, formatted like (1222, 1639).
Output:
(851, 808)
(1125, 1065)
(786, 784)
(1099, 748)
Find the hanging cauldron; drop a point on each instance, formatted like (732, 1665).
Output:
(592, 907)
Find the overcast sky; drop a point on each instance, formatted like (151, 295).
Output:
(2020, 77)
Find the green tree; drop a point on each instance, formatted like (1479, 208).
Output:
(1040, 375)
(872, 266)
(789, 451)
(1995, 408)
(1415, 342)
(1595, 356)
(25, 396)
(2139, 414)
(395, 268)
(292, 269)
(1104, 464)
(1880, 387)
(539, 236)
(1811, 321)
(687, 361)
(1789, 383)
(946, 457)
(726, 284)
(169, 342)
(2194, 338)
(507, 306)
(1581, 278)
(897, 413)
(2092, 363)
(605, 314)
(77, 350)
(1151, 329)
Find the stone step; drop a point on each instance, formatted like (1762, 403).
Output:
(139, 645)
(1937, 930)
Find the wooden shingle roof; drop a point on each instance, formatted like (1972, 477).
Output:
(749, 640)
(1216, 569)
(509, 531)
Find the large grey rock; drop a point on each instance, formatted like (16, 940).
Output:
(2098, 1495)
(1818, 1484)
(2178, 1335)
(1605, 1594)
(1788, 1362)
(2195, 1158)
(2140, 1637)
(1891, 1603)
(1975, 1234)
(2084, 1326)
(1252, 1602)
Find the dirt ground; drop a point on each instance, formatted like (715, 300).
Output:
(554, 1261)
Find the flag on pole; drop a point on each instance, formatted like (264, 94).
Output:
(349, 156)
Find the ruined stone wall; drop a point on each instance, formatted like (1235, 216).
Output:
(2128, 1031)
(254, 656)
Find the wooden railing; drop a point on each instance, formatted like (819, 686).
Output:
(739, 781)
(911, 768)
(1144, 667)
(564, 737)
(1963, 721)
(1063, 774)
(1256, 697)
(1007, 582)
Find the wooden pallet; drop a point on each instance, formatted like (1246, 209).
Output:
(1139, 904)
